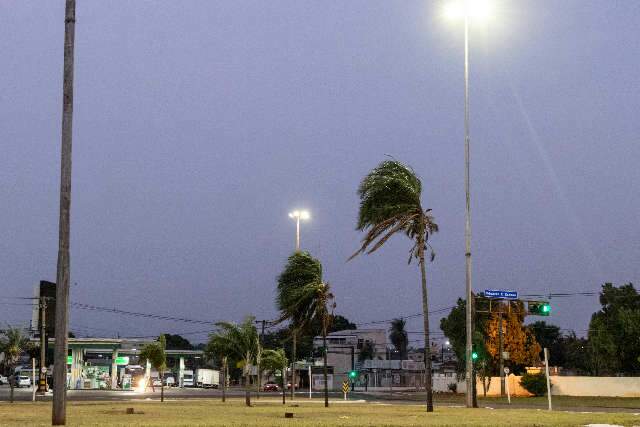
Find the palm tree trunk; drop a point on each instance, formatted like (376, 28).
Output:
(427, 341)
(293, 364)
(284, 390)
(11, 386)
(324, 363)
(224, 379)
(161, 386)
(258, 363)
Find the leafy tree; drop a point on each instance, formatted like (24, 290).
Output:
(339, 323)
(242, 342)
(517, 339)
(454, 327)
(367, 352)
(301, 270)
(390, 203)
(550, 337)
(399, 337)
(12, 343)
(577, 354)
(177, 342)
(614, 331)
(274, 361)
(154, 353)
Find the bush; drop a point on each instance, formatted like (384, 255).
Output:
(453, 387)
(535, 384)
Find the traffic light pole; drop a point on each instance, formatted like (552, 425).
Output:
(42, 381)
(501, 350)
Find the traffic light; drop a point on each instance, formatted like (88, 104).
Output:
(539, 308)
(474, 356)
(353, 375)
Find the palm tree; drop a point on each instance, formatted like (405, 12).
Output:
(242, 342)
(273, 361)
(217, 349)
(301, 269)
(390, 203)
(314, 302)
(155, 354)
(12, 344)
(398, 336)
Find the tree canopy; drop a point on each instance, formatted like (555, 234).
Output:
(614, 331)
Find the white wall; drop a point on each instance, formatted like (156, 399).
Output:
(596, 386)
(566, 386)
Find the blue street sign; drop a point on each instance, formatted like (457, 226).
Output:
(499, 293)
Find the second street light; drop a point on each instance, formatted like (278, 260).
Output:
(467, 10)
(298, 215)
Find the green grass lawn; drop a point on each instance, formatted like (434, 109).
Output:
(565, 402)
(270, 413)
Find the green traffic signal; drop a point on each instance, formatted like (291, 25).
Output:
(353, 374)
(474, 355)
(539, 308)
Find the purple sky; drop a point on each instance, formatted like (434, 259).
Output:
(199, 124)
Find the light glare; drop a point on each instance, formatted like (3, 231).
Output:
(300, 214)
(477, 10)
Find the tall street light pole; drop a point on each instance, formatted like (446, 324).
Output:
(59, 412)
(298, 215)
(468, 9)
(467, 222)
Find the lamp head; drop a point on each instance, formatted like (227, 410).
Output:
(476, 10)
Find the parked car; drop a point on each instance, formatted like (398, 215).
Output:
(23, 381)
(155, 381)
(289, 386)
(3, 380)
(271, 386)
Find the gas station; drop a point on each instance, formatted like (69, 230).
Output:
(102, 363)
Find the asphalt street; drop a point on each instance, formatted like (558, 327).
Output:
(399, 398)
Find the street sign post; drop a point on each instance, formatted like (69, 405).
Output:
(506, 371)
(500, 294)
(345, 388)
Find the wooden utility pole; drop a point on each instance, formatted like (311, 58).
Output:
(59, 412)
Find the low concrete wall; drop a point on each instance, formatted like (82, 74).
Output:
(596, 386)
(570, 386)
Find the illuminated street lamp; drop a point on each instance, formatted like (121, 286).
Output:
(298, 215)
(467, 10)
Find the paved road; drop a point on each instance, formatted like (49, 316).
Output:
(399, 398)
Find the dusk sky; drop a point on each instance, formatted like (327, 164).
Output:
(198, 125)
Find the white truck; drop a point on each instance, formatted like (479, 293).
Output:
(206, 378)
(187, 379)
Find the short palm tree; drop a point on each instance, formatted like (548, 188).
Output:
(314, 302)
(398, 336)
(217, 349)
(301, 269)
(155, 354)
(242, 342)
(12, 343)
(390, 203)
(274, 361)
